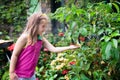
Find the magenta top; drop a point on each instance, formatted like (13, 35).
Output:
(27, 60)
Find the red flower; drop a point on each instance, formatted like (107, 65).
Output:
(72, 63)
(65, 72)
(11, 47)
(61, 34)
(45, 49)
(82, 38)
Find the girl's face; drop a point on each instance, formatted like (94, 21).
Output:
(42, 26)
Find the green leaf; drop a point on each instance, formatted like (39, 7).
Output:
(55, 75)
(41, 69)
(84, 77)
(116, 6)
(107, 38)
(108, 30)
(95, 74)
(115, 43)
(5, 76)
(100, 31)
(51, 78)
(61, 78)
(75, 78)
(73, 25)
(83, 31)
(108, 50)
(87, 66)
(36, 68)
(94, 28)
(114, 34)
(115, 54)
(72, 73)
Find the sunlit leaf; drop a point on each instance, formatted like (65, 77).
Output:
(115, 43)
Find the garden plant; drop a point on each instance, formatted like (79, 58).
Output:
(94, 26)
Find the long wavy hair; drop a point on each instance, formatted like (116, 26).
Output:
(32, 25)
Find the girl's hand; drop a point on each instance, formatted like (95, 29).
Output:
(75, 46)
(13, 76)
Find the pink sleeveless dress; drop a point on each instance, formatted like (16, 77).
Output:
(28, 59)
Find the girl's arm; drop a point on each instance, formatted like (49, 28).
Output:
(17, 49)
(51, 48)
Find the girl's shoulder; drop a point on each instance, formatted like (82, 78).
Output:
(24, 35)
(24, 38)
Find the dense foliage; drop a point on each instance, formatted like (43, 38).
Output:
(13, 14)
(97, 28)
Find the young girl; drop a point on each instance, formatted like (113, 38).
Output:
(26, 52)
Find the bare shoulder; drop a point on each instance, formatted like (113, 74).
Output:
(20, 44)
(23, 38)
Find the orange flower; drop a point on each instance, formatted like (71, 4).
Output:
(72, 63)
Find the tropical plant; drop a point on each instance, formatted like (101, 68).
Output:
(96, 28)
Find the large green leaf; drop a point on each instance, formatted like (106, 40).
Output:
(108, 50)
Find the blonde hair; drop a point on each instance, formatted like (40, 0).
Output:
(32, 25)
